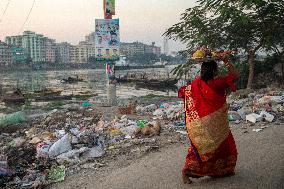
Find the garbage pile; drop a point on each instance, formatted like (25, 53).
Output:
(41, 148)
(169, 111)
(257, 107)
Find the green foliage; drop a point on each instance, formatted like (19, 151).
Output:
(247, 25)
(268, 64)
(182, 69)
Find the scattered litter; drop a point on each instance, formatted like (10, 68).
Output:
(257, 130)
(253, 118)
(60, 146)
(182, 132)
(56, 174)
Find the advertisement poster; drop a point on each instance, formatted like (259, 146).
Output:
(110, 7)
(107, 39)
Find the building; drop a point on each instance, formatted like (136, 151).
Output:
(166, 45)
(5, 54)
(19, 55)
(84, 51)
(72, 54)
(50, 50)
(157, 50)
(129, 49)
(33, 43)
(91, 38)
(153, 49)
(63, 52)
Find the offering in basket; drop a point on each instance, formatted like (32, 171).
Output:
(204, 54)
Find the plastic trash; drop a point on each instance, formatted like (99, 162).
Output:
(86, 104)
(267, 116)
(182, 132)
(43, 148)
(73, 154)
(158, 113)
(94, 152)
(11, 119)
(147, 109)
(4, 169)
(253, 118)
(141, 123)
(257, 130)
(57, 174)
(130, 130)
(60, 133)
(242, 114)
(179, 124)
(233, 116)
(60, 146)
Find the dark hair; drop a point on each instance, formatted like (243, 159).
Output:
(208, 70)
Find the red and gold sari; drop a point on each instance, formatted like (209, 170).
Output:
(213, 151)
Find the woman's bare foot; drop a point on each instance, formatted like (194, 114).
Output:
(185, 179)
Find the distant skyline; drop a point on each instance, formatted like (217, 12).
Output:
(72, 20)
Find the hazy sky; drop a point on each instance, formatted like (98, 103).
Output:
(71, 20)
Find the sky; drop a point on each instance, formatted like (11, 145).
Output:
(72, 20)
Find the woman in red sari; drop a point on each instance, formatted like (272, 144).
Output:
(212, 151)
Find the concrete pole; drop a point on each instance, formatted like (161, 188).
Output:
(111, 84)
(110, 73)
(111, 94)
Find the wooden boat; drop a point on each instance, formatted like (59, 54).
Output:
(169, 83)
(16, 97)
(72, 80)
(48, 92)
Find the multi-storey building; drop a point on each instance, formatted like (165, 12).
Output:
(50, 50)
(157, 50)
(15, 40)
(129, 49)
(63, 52)
(5, 54)
(19, 55)
(84, 51)
(91, 38)
(72, 54)
(33, 43)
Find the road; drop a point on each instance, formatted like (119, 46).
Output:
(260, 165)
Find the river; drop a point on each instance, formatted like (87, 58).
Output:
(93, 82)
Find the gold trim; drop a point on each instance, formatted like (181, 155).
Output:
(206, 133)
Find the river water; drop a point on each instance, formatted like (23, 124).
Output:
(93, 82)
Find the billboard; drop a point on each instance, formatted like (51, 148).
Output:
(107, 39)
(109, 7)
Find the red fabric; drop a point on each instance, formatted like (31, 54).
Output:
(223, 162)
(181, 92)
(209, 97)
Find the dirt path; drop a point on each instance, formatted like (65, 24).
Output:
(260, 165)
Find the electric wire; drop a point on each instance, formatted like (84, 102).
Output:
(28, 16)
(5, 10)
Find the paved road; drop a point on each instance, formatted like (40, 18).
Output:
(260, 165)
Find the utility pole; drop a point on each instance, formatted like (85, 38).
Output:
(110, 69)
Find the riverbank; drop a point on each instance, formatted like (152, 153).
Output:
(39, 67)
(84, 140)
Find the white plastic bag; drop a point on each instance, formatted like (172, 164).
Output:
(60, 146)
